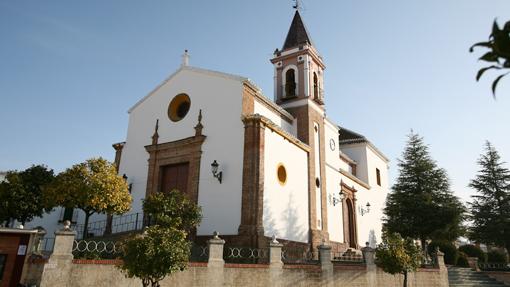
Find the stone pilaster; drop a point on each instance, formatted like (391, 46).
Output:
(251, 228)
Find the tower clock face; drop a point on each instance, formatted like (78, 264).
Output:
(332, 144)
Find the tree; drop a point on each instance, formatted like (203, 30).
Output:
(490, 208)
(499, 54)
(22, 194)
(396, 255)
(163, 248)
(155, 254)
(172, 209)
(92, 186)
(420, 204)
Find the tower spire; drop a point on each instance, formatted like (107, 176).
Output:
(298, 34)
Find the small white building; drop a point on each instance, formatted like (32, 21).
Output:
(283, 167)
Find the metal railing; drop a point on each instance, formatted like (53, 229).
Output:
(123, 223)
(46, 245)
(90, 249)
(236, 254)
(348, 257)
(494, 266)
(297, 255)
(199, 253)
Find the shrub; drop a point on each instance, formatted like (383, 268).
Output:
(450, 251)
(474, 251)
(462, 261)
(495, 256)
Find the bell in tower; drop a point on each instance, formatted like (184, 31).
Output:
(298, 67)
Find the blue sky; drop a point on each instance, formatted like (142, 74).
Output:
(70, 70)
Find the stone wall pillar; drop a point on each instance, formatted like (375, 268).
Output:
(325, 257)
(215, 264)
(369, 258)
(57, 271)
(327, 276)
(275, 253)
(215, 245)
(443, 272)
(368, 255)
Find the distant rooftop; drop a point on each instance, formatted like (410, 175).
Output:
(347, 136)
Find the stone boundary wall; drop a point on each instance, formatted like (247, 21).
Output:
(61, 270)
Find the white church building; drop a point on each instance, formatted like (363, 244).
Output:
(257, 167)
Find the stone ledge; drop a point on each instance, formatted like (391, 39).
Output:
(239, 265)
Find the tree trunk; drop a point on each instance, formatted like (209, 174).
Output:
(424, 245)
(145, 282)
(86, 225)
(405, 278)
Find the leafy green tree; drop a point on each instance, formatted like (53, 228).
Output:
(172, 209)
(499, 54)
(490, 208)
(92, 186)
(396, 255)
(421, 204)
(22, 194)
(163, 249)
(155, 254)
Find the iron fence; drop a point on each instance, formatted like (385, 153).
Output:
(46, 245)
(493, 266)
(347, 257)
(297, 255)
(90, 249)
(123, 223)
(199, 253)
(236, 254)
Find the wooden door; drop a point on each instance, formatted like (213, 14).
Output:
(175, 176)
(352, 224)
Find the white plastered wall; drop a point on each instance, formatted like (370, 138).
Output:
(333, 176)
(262, 110)
(220, 98)
(370, 224)
(285, 206)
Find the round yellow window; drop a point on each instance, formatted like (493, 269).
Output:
(179, 107)
(281, 173)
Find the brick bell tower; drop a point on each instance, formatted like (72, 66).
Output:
(298, 84)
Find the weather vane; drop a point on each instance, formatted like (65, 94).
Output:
(297, 5)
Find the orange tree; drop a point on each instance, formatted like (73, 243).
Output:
(163, 248)
(396, 255)
(92, 186)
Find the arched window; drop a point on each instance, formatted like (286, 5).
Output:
(290, 83)
(315, 86)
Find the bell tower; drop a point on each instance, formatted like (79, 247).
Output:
(298, 88)
(298, 67)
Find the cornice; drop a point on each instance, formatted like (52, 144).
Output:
(256, 118)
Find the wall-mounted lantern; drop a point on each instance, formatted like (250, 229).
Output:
(130, 185)
(366, 210)
(214, 169)
(334, 200)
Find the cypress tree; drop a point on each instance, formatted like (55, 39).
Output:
(421, 204)
(490, 208)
